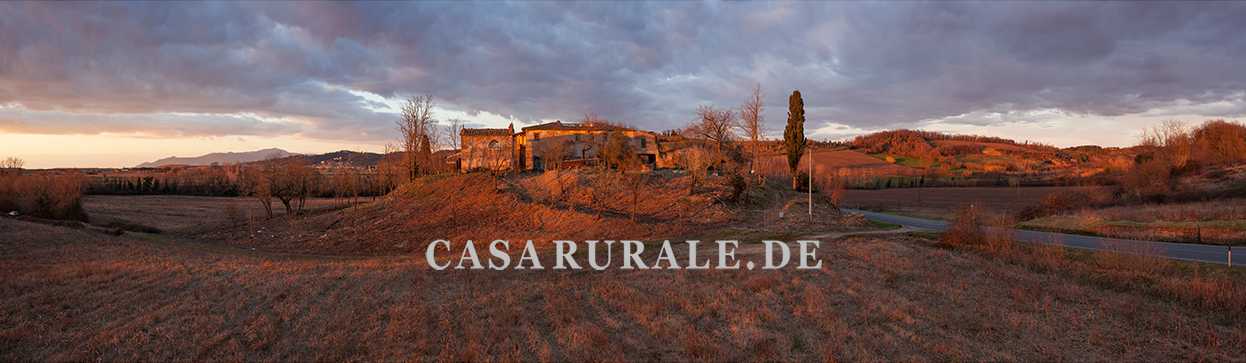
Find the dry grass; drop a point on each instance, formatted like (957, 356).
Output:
(1211, 222)
(1215, 210)
(467, 207)
(183, 215)
(78, 295)
(73, 295)
(1135, 267)
(795, 218)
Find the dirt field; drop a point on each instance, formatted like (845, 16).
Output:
(179, 214)
(824, 162)
(942, 203)
(72, 294)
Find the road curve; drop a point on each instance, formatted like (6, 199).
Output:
(1178, 251)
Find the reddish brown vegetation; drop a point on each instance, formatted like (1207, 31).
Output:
(1069, 199)
(72, 295)
(1133, 267)
(42, 194)
(554, 205)
(1173, 149)
(922, 144)
(941, 201)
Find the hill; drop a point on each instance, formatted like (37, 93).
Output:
(222, 158)
(460, 207)
(346, 156)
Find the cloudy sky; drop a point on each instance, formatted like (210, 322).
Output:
(117, 83)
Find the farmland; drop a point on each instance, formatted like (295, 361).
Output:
(198, 291)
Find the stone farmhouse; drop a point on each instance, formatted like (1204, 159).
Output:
(546, 145)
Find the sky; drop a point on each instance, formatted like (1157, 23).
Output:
(106, 84)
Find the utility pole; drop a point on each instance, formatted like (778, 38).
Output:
(810, 180)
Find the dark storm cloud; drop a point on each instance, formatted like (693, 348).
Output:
(93, 66)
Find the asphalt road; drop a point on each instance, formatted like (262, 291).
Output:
(1178, 251)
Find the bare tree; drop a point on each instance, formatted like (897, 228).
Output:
(635, 184)
(600, 191)
(696, 160)
(389, 169)
(586, 143)
(454, 127)
(258, 182)
(305, 180)
(753, 127)
(713, 124)
(290, 180)
(497, 158)
(833, 185)
(1172, 138)
(11, 165)
(551, 151)
(416, 126)
(593, 118)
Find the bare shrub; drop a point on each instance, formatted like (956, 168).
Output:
(832, 185)
(600, 191)
(233, 214)
(1133, 258)
(1050, 256)
(965, 229)
(46, 195)
(696, 160)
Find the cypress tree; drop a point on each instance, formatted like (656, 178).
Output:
(426, 155)
(794, 134)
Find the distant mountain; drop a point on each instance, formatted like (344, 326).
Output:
(223, 158)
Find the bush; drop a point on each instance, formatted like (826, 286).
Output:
(833, 187)
(965, 229)
(45, 195)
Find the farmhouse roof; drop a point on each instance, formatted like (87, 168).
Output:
(508, 131)
(587, 126)
(485, 132)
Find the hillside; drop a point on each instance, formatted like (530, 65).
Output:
(460, 207)
(221, 158)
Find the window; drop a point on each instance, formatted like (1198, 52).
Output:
(536, 136)
(643, 140)
(494, 144)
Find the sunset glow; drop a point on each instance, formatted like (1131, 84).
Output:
(115, 83)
